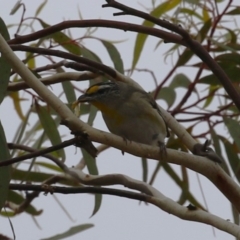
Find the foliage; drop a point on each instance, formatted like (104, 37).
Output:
(195, 101)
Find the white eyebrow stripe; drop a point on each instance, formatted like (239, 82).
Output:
(104, 86)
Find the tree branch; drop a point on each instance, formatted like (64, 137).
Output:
(54, 79)
(187, 40)
(199, 164)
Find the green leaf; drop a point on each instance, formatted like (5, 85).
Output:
(212, 90)
(180, 80)
(224, 165)
(92, 115)
(201, 36)
(22, 127)
(231, 36)
(232, 47)
(40, 8)
(21, 130)
(50, 128)
(85, 108)
(233, 72)
(185, 57)
(97, 205)
(90, 162)
(187, 53)
(226, 47)
(233, 158)
(92, 169)
(186, 194)
(63, 40)
(90, 55)
(155, 172)
(167, 94)
(30, 60)
(169, 170)
(18, 199)
(205, 14)
(235, 214)
(4, 171)
(49, 166)
(145, 169)
(234, 129)
(216, 141)
(141, 38)
(235, 11)
(17, 103)
(37, 177)
(69, 91)
(209, 79)
(5, 67)
(7, 214)
(228, 57)
(72, 231)
(191, 12)
(114, 55)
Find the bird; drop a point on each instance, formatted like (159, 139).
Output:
(129, 112)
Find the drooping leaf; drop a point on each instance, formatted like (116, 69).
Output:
(90, 162)
(232, 71)
(141, 38)
(167, 94)
(37, 177)
(97, 205)
(49, 166)
(114, 55)
(211, 91)
(216, 138)
(185, 57)
(30, 60)
(21, 130)
(16, 198)
(155, 172)
(17, 104)
(231, 36)
(40, 8)
(50, 128)
(87, 53)
(234, 129)
(180, 80)
(68, 89)
(92, 168)
(4, 171)
(63, 40)
(187, 54)
(205, 14)
(228, 57)
(5, 67)
(92, 115)
(235, 214)
(144, 169)
(201, 36)
(235, 11)
(216, 142)
(225, 47)
(191, 13)
(72, 231)
(233, 158)
(183, 185)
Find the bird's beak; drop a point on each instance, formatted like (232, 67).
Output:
(83, 98)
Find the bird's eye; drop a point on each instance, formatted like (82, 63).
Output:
(102, 90)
